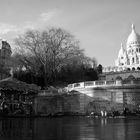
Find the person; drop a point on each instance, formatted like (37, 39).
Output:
(102, 113)
(92, 113)
(105, 113)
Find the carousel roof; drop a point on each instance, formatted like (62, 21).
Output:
(11, 83)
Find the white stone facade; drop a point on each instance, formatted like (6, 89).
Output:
(129, 56)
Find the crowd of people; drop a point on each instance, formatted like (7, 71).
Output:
(125, 112)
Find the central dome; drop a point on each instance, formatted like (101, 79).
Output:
(133, 38)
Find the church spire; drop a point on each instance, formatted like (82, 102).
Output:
(122, 47)
(121, 52)
(133, 27)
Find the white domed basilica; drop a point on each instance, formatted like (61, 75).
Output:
(129, 57)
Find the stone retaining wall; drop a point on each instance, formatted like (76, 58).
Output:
(123, 74)
(84, 101)
(50, 105)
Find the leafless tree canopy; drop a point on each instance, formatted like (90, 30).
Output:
(49, 50)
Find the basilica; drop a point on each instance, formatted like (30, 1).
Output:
(128, 62)
(129, 55)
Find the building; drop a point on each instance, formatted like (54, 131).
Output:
(128, 62)
(117, 90)
(129, 57)
(5, 55)
(118, 87)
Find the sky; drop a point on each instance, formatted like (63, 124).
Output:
(100, 25)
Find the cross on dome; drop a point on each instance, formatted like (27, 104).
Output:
(133, 27)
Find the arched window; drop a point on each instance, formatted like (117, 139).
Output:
(131, 77)
(133, 60)
(118, 78)
(137, 60)
(128, 69)
(128, 62)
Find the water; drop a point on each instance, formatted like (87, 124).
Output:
(70, 128)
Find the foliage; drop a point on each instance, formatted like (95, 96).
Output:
(99, 69)
(49, 56)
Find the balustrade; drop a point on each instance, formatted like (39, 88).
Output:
(89, 83)
(99, 82)
(111, 82)
(70, 86)
(76, 85)
(86, 84)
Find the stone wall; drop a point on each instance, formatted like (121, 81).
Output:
(85, 101)
(123, 74)
(100, 99)
(75, 104)
(111, 98)
(53, 104)
(131, 100)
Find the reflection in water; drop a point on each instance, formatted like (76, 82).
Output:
(69, 128)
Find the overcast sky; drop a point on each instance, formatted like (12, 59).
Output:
(99, 25)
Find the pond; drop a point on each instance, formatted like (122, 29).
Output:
(70, 128)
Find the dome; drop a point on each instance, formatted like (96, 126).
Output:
(133, 38)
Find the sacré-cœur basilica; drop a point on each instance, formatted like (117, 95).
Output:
(127, 65)
(118, 87)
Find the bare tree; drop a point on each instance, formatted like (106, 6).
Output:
(50, 50)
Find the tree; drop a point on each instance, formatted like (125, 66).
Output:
(99, 69)
(47, 52)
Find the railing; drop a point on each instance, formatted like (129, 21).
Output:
(89, 84)
(102, 83)
(111, 82)
(77, 85)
